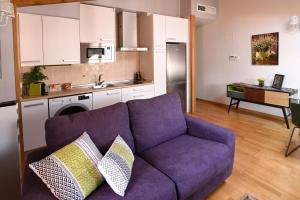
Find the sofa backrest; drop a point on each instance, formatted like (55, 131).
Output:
(103, 125)
(157, 120)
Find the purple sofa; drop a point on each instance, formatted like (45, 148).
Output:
(176, 156)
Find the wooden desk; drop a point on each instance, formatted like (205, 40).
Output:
(267, 96)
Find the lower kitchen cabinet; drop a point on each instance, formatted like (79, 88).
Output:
(106, 98)
(34, 116)
(138, 92)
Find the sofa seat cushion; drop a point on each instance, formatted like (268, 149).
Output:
(189, 161)
(103, 126)
(157, 120)
(146, 183)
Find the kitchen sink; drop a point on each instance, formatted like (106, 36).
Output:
(103, 86)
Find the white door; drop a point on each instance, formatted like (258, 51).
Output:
(106, 98)
(177, 29)
(160, 71)
(97, 24)
(34, 116)
(31, 39)
(61, 41)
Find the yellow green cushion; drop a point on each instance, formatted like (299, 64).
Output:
(116, 166)
(71, 172)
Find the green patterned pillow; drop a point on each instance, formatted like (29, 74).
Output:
(71, 172)
(116, 166)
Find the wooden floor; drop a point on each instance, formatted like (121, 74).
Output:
(260, 167)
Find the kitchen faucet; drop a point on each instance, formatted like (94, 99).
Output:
(99, 80)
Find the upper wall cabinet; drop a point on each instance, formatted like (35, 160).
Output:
(159, 31)
(97, 24)
(61, 41)
(31, 39)
(177, 29)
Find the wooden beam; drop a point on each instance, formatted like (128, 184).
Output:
(23, 3)
(18, 89)
(193, 42)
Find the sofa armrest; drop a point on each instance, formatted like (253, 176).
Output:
(209, 131)
(37, 155)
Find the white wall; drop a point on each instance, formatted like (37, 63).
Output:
(231, 34)
(7, 77)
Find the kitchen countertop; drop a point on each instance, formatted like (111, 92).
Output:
(77, 91)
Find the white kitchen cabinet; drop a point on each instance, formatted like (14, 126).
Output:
(153, 64)
(159, 55)
(106, 98)
(61, 41)
(31, 39)
(177, 29)
(34, 116)
(159, 31)
(137, 92)
(97, 24)
(160, 71)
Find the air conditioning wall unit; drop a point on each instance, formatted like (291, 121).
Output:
(206, 11)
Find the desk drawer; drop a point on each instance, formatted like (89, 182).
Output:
(255, 95)
(277, 98)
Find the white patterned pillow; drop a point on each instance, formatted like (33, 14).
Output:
(116, 165)
(71, 173)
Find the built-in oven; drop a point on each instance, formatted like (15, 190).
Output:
(97, 52)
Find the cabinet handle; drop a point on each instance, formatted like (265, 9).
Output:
(106, 39)
(33, 105)
(171, 38)
(137, 96)
(30, 61)
(65, 60)
(112, 93)
(138, 90)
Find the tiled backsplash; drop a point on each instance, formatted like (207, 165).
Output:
(123, 69)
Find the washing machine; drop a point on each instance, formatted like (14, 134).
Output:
(70, 104)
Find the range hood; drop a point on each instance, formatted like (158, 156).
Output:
(128, 32)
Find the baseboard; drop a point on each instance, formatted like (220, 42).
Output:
(243, 110)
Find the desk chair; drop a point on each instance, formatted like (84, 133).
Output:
(295, 109)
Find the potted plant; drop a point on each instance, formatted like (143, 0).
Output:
(33, 82)
(261, 82)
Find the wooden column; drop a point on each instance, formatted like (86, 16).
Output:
(193, 42)
(18, 88)
(22, 3)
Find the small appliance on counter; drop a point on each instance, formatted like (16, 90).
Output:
(138, 79)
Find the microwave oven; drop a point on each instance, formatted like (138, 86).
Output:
(97, 52)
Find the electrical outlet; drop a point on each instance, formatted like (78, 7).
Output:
(234, 58)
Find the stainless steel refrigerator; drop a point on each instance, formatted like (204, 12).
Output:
(176, 71)
(10, 187)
